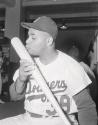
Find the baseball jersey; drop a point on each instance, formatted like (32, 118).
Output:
(65, 77)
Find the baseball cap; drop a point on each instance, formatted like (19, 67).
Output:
(43, 23)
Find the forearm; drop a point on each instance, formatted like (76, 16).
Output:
(20, 86)
(87, 114)
(17, 90)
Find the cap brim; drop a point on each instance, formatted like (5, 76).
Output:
(30, 25)
(26, 25)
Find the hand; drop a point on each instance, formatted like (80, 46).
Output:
(26, 70)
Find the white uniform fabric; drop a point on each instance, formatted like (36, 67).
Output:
(25, 119)
(65, 78)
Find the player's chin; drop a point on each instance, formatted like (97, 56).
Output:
(33, 53)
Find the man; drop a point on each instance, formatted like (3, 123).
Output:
(65, 77)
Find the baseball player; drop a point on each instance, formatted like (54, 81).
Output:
(65, 77)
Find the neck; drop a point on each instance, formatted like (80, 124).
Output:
(48, 56)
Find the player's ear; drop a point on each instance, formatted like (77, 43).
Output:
(50, 41)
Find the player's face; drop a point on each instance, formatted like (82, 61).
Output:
(36, 43)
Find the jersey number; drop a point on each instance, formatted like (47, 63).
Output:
(64, 103)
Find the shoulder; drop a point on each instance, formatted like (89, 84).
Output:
(69, 62)
(87, 69)
(66, 58)
(76, 76)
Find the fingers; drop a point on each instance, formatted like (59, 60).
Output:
(25, 62)
(26, 69)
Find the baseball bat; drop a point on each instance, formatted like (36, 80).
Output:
(23, 54)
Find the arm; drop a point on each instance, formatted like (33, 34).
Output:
(92, 87)
(17, 89)
(87, 114)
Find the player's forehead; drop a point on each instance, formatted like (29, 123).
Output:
(36, 33)
(32, 31)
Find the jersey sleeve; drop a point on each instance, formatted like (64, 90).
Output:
(87, 69)
(78, 79)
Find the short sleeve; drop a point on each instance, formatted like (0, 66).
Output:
(78, 79)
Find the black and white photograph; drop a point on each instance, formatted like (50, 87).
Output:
(48, 62)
